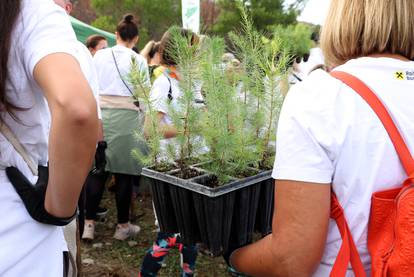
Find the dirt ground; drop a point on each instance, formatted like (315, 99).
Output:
(106, 256)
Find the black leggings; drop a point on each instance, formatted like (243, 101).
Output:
(95, 185)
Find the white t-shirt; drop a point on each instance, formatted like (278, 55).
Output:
(28, 248)
(328, 134)
(161, 103)
(88, 68)
(159, 96)
(110, 82)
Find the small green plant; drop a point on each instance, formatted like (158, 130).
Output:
(186, 115)
(273, 66)
(142, 89)
(221, 124)
(264, 66)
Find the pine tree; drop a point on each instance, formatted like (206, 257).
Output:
(142, 90)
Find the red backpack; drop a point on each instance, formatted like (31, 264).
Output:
(391, 222)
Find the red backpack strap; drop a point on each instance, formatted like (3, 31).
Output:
(348, 252)
(369, 96)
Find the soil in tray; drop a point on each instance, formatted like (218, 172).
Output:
(211, 181)
(245, 173)
(164, 167)
(193, 160)
(268, 162)
(188, 173)
(265, 167)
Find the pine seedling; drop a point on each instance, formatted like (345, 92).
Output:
(186, 116)
(274, 64)
(250, 49)
(142, 88)
(220, 121)
(263, 68)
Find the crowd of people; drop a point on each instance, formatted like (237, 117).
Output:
(68, 121)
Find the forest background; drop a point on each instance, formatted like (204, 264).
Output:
(218, 17)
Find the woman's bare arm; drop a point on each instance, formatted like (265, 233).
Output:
(300, 226)
(168, 131)
(73, 133)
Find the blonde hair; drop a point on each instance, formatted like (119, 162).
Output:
(358, 28)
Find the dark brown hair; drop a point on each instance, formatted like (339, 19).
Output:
(94, 40)
(9, 12)
(167, 44)
(127, 28)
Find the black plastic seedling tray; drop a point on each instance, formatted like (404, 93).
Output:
(244, 216)
(216, 217)
(163, 205)
(185, 214)
(266, 207)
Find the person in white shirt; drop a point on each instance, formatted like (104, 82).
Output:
(122, 117)
(39, 62)
(330, 139)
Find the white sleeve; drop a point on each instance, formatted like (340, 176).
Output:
(47, 31)
(144, 68)
(97, 63)
(300, 155)
(93, 83)
(98, 106)
(159, 94)
(84, 58)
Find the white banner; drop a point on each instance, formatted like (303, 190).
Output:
(191, 15)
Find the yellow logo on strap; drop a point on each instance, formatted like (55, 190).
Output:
(399, 75)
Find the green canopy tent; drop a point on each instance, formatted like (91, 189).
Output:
(83, 31)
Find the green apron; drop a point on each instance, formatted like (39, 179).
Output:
(120, 132)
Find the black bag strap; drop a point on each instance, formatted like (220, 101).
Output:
(170, 96)
(119, 72)
(297, 77)
(136, 103)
